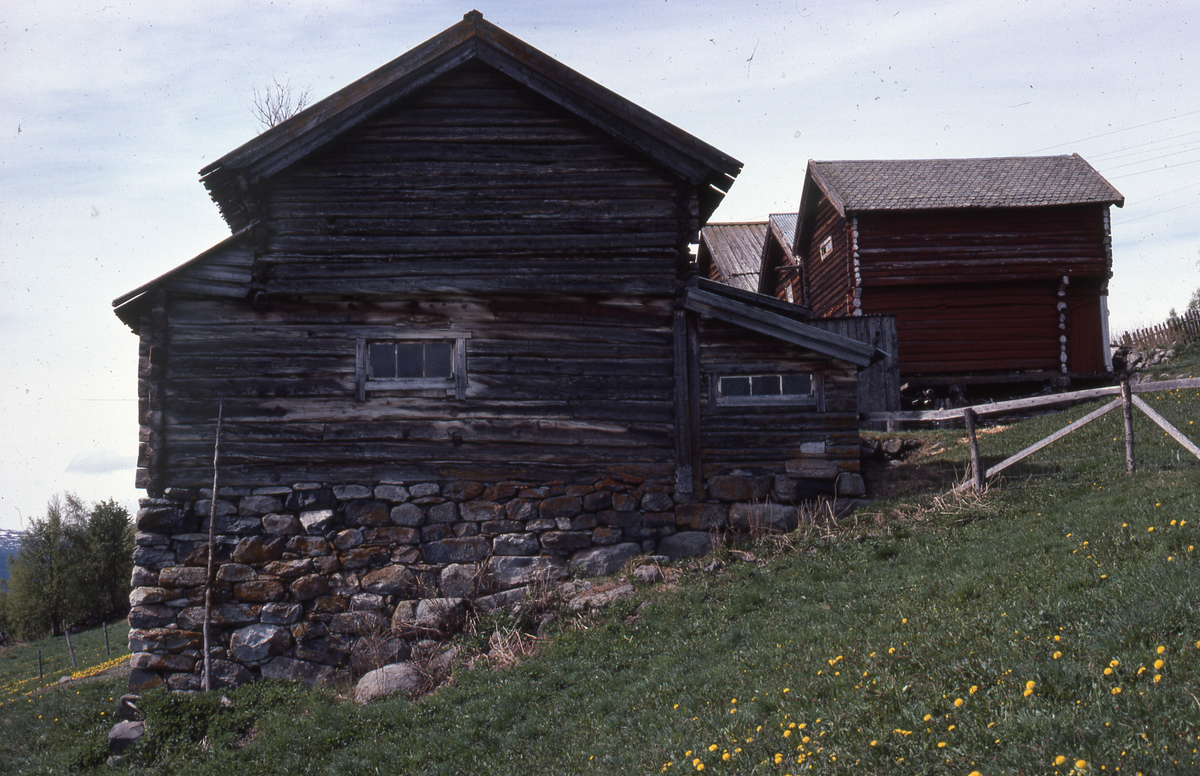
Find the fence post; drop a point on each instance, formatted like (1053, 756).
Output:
(976, 463)
(107, 651)
(39, 664)
(70, 649)
(1127, 407)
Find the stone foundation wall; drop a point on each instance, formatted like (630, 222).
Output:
(315, 579)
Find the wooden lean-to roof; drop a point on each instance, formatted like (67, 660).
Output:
(931, 184)
(474, 38)
(776, 319)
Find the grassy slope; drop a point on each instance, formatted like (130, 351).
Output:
(865, 643)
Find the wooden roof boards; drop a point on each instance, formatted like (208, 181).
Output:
(734, 250)
(474, 38)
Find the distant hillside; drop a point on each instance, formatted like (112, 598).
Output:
(9, 542)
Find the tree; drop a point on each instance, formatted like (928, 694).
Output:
(46, 589)
(74, 563)
(109, 557)
(274, 105)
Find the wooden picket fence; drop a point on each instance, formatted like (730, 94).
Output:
(1180, 329)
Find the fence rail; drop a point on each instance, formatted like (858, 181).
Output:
(1183, 328)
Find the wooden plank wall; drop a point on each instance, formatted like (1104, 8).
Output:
(878, 384)
(475, 184)
(762, 439)
(919, 247)
(976, 291)
(555, 387)
(998, 327)
(829, 282)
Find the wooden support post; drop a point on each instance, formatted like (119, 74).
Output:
(976, 463)
(39, 664)
(70, 649)
(104, 624)
(1127, 407)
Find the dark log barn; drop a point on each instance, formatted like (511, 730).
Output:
(994, 268)
(457, 322)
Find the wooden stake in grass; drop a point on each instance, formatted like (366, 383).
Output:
(70, 649)
(104, 624)
(976, 464)
(212, 522)
(1127, 406)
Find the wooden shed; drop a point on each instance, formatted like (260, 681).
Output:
(458, 322)
(994, 268)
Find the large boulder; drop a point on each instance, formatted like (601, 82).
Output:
(389, 680)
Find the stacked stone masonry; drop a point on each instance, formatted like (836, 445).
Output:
(313, 579)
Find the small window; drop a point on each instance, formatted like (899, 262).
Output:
(765, 389)
(422, 361)
(826, 247)
(410, 360)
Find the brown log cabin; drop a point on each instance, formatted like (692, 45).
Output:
(457, 322)
(995, 269)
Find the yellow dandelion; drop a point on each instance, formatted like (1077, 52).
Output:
(787, 733)
(712, 748)
(1116, 691)
(1080, 765)
(1059, 760)
(1158, 664)
(973, 689)
(1160, 650)
(1056, 655)
(941, 744)
(958, 702)
(1157, 678)
(726, 756)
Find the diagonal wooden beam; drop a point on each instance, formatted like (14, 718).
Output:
(1165, 425)
(1057, 435)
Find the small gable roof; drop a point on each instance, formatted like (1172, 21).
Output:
(734, 250)
(782, 233)
(920, 184)
(474, 38)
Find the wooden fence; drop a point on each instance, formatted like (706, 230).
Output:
(1183, 328)
(1127, 399)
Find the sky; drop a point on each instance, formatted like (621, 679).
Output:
(109, 110)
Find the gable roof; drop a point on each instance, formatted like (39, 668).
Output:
(778, 251)
(734, 250)
(919, 184)
(474, 38)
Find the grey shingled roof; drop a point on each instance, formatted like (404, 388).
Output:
(736, 251)
(784, 227)
(918, 184)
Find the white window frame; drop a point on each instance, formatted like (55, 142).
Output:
(815, 400)
(456, 383)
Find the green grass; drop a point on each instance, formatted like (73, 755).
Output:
(19, 663)
(865, 636)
